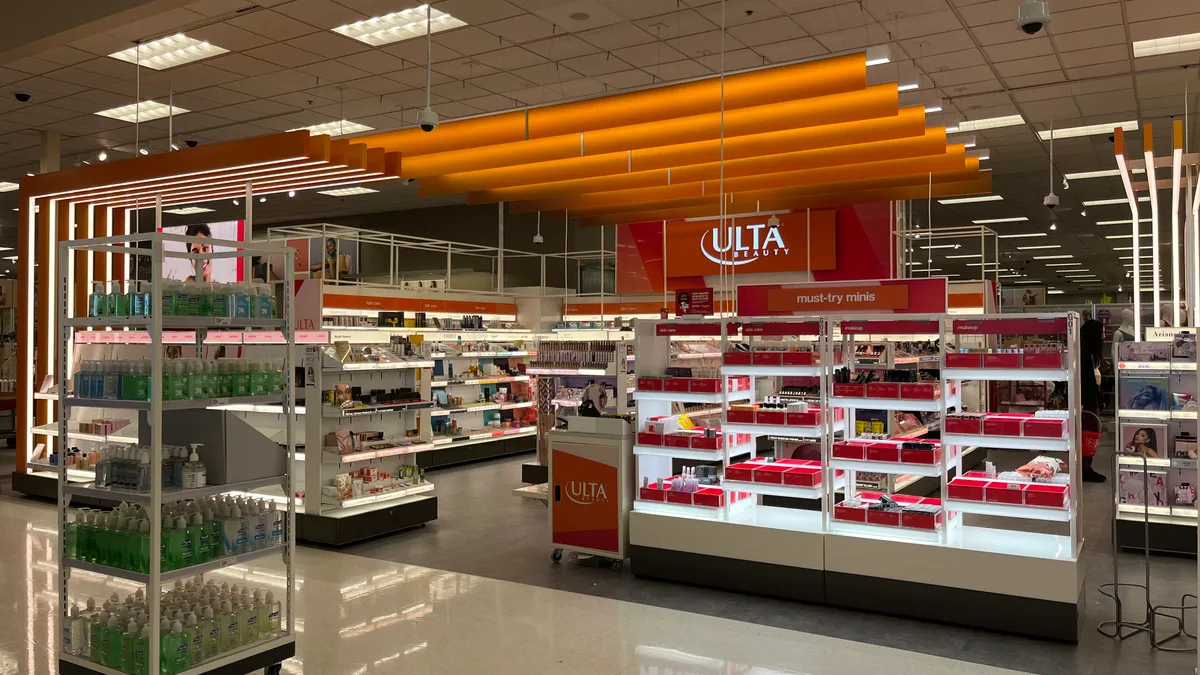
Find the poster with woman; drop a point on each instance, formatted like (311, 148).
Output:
(210, 270)
(1144, 440)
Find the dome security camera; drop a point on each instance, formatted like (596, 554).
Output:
(427, 119)
(539, 239)
(22, 97)
(192, 143)
(1050, 201)
(1033, 16)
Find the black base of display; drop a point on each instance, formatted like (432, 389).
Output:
(533, 473)
(1030, 617)
(240, 667)
(341, 531)
(1164, 537)
(45, 487)
(451, 454)
(729, 574)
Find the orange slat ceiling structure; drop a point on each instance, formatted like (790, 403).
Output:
(100, 200)
(815, 125)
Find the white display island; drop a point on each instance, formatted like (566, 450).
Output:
(897, 554)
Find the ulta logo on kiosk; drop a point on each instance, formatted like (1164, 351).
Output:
(743, 243)
(586, 493)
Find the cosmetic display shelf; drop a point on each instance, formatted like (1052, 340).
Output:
(181, 573)
(482, 408)
(83, 475)
(885, 531)
(188, 404)
(481, 355)
(796, 371)
(337, 413)
(1030, 443)
(1156, 365)
(45, 397)
(482, 380)
(1174, 515)
(258, 408)
(127, 435)
(784, 430)
(391, 495)
(691, 510)
(568, 371)
(692, 453)
(887, 467)
(352, 457)
(170, 494)
(774, 490)
(1139, 462)
(864, 403)
(691, 397)
(483, 437)
(1157, 414)
(170, 322)
(1008, 510)
(1008, 374)
(375, 366)
(254, 657)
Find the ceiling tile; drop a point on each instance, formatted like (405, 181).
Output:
(960, 59)
(735, 60)
(738, 12)
(333, 71)
(101, 44)
(949, 78)
(221, 95)
(616, 36)
(416, 77)
(853, 38)
(789, 50)
(942, 43)
(1087, 39)
(417, 51)
(272, 24)
(413, 98)
(569, 15)
(476, 12)
(64, 55)
(469, 40)
(33, 65)
(462, 69)
(158, 24)
(1086, 19)
(458, 91)
(648, 54)
(537, 95)
(321, 13)
(229, 37)
(1044, 111)
(374, 62)
(999, 33)
(561, 47)
(521, 28)
(243, 65)
(236, 113)
(453, 110)
(626, 79)
(509, 58)
(1023, 49)
(1086, 57)
(752, 34)
(500, 83)
(1037, 64)
(217, 7)
(328, 44)
(678, 24)
(1178, 25)
(991, 11)
(925, 24)
(1098, 70)
(547, 73)
(580, 88)
(640, 9)
(1106, 104)
(679, 70)
(983, 86)
(491, 103)
(1146, 10)
(595, 64)
(832, 18)
(284, 55)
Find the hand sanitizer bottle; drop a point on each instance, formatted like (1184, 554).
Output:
(234, 532)
(275, 516)
(212, 634)
(196, 640)
(96, 626)
(194, 473)
(274, 614)
(180, 646)
(216, 547)
(110, 641)
(231, 633)
(257, 521)
(141, 653)
(129, 645)
(72, 632)
(178, 466)
(248, 618)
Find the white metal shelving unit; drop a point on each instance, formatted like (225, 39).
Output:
(269, 651)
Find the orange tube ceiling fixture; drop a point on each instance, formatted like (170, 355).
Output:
(802, 80)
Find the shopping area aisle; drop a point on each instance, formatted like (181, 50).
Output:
(483, 530)
(358, 616)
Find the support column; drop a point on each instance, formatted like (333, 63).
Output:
(500, 246)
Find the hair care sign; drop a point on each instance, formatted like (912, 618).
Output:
(886, 296)
(694, 302)
(752, 245)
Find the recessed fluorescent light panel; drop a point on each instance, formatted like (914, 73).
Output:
(338, 128)
(1053, 257)
(1097, 174)
(169, 52)
(989, 221)
(149, 110)
(1024, 235)
(972, 200)
(1030, 281)
(397, 26)
(1105, 202)
(188, 210)
(991, 123)
(1126, 236)
(5, 186)
(346, 192)
(1166, 45)
(1121, 222)
(1035, 248)
(1089, 130)
(1070, 264)
(1053, 292)
(963, 256)
(926, 248)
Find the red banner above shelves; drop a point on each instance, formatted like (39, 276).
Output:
(1023, 326)
(887, 296)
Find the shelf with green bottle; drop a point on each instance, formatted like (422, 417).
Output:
(182, 572)
(184, 404)
(170, 494)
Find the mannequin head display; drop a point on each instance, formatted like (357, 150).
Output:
(1164, 315)
(1125, 332)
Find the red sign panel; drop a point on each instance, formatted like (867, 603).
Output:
(693, 302)
(687, 328)
(887, 296)
(782, 328)
(1025, 326)
(890, 327)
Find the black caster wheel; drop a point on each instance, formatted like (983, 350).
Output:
(556, 555)
(273, 669)
(618, 564)
(10, 442)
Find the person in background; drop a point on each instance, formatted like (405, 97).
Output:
(1091, 347)
(202, 269)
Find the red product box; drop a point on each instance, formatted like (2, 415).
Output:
(770, 473)
(740, 416)
(1042, 360)
(920, 390)
(915, 456)
(742, 439)
(705, 443)
(647, 438)
(650, 383)
(849, 389)
(967, 489)
(883, 390)
(709, 496)
(678, 440)
(802, 476)
(737, 358)
(1003, 425)
(652, 494)
(770, 417)
(704, 385)
(804, 419)
(852, 514)
(963, 424)
(845, 450)
(1044, 427)
(679, 497)
(1012, 360)
(1047, 494)
(766, 358)
(1002, 492)
(921, 521)
(743, 471)
(799, 358)
(739, 383)
(891, 518)
(883, 452)
(677, 384)
(964, 360)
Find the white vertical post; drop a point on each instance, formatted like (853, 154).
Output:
(450, 266)
(248, 235)
(500, 248)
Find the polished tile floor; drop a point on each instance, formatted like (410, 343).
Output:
(358, 615)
